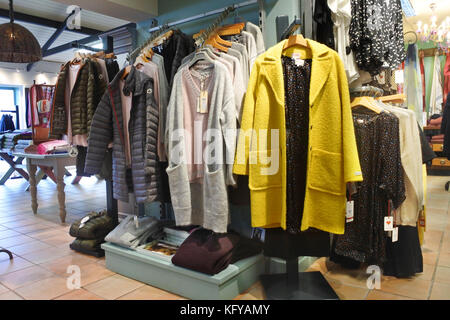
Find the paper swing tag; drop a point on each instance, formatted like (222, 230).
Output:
(349, 211)
(136, 222)
(388, 223)
(202, 103)
(395, 234)
(297, 60)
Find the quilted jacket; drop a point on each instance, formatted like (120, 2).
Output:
(107, 126)
(87, 91)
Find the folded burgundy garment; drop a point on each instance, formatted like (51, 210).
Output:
(205, 251)
(436, 122)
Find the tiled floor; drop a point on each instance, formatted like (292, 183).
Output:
(40, 245)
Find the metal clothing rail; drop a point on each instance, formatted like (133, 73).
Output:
(207, 14)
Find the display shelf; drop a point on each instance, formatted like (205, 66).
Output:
(161, 273)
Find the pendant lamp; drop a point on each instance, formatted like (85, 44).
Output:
(17, 44)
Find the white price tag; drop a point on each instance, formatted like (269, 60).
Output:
(349, 211)
(297, 60)
(388, 223)
(395, 234)
(203, 102)
(136, 222)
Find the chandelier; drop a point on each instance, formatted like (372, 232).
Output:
(432, 32)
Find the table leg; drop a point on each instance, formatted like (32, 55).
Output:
(59, 173)
(33, 186)
(6, 176)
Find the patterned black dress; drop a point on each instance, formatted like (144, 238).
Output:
(377, 137)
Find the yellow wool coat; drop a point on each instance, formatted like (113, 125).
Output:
(332, 158)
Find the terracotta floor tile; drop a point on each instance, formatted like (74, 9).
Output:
(8, 233)
(24, 277)
(113, 287)
(345, 292)
(442, 275)
(413, 288)
(19, 223)
(45, 234)
(59, 265)
(444, 259)
(79, 294)
(15, 264)
(3, 289)
(357, 278)
(28, 247)
(46, 255)
(32, 227)
(380, 295)
(440, 291)
(428, 272)
(246, 296)
(10, 295)
(429, 257)
(15, 240)
(147, 293)
(59, 239)
(45, 289)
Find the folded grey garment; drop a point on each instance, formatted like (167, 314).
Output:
(134, 231)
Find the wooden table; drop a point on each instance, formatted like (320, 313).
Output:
(58, 162)
(15, 165)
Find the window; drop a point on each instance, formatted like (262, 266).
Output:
(8, 102)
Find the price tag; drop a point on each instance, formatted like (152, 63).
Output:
(297, 60)
(422, 219)
(388, 223)
(136, 222)
(202, 106)
(395, 234)
(349, 211)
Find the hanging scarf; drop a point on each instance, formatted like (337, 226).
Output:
(436, 96)
(413, 83)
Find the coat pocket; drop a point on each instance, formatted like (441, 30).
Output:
(264, 169)
(179, 187)
(326, 172)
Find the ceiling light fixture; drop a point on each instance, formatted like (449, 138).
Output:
(438, 34)
(18, 44)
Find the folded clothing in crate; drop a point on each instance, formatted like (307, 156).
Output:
(208, 252)
(134, 231)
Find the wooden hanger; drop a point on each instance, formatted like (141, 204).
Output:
(212, 41)
(296, 40)
(367, 102)
(221, 41)
(126, 72)
(395, 98)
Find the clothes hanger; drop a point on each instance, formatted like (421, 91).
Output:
(200, 56)
(367, 102)
(221, 41)
(295, 40)
(126, 72)
(212, 41)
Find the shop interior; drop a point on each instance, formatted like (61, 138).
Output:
(225, 150)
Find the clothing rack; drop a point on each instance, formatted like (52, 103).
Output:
(132, 56)
(291, 29)
(16, 112)
(205, 34)
(366, 91)
(207, 14)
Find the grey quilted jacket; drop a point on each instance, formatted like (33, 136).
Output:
(107, 126)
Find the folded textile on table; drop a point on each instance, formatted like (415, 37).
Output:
(134, 231)
(96, 225)
(208, 252)
(51, 146)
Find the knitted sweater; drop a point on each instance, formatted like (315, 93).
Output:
(199, 192)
